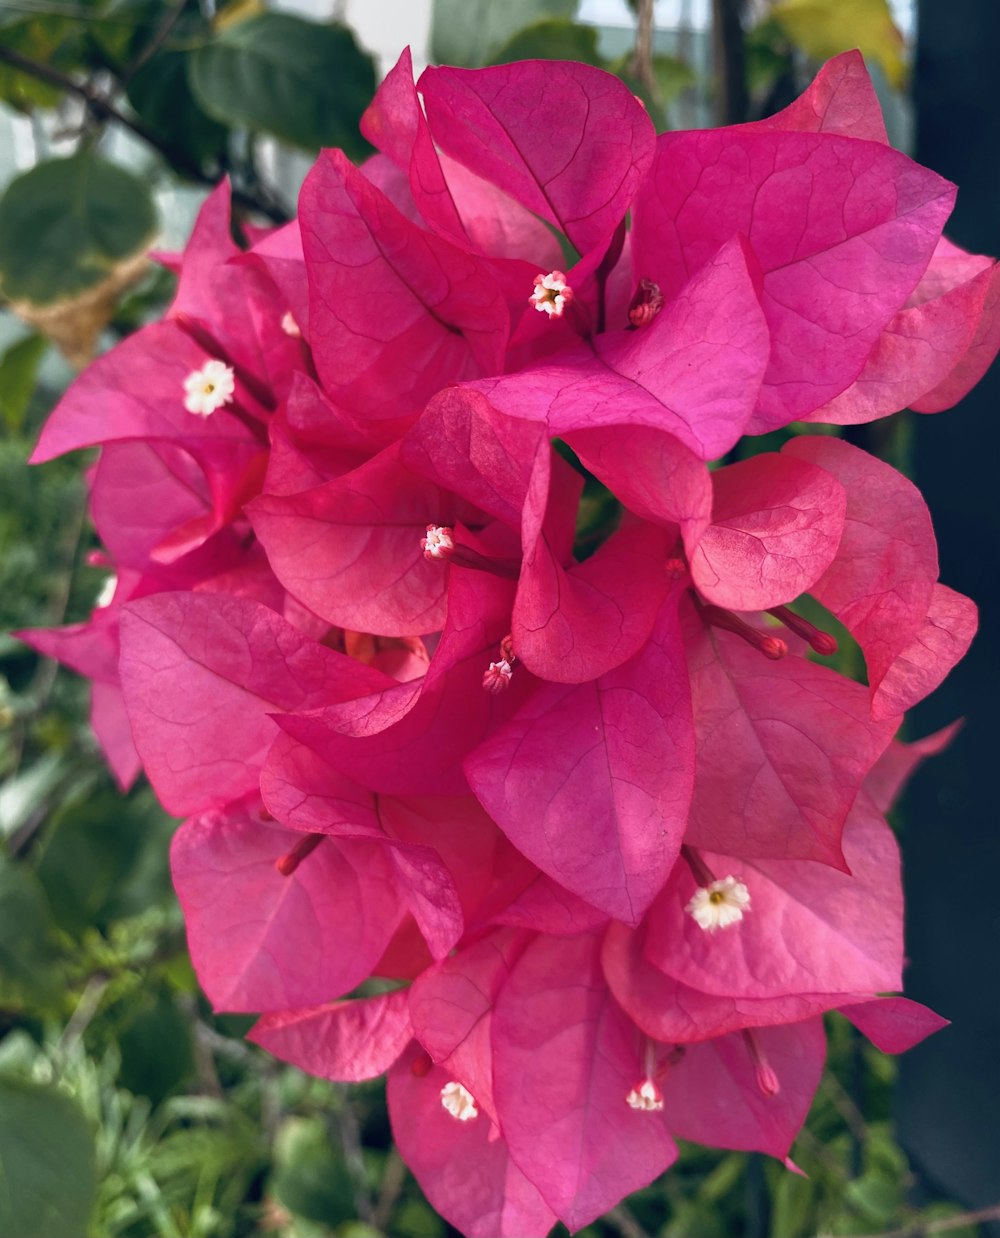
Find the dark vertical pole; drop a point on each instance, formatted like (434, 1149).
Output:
(729, 62)
(949, 1096)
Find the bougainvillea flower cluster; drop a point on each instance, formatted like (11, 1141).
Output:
(486, 651)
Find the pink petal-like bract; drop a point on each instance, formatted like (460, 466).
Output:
(712, 1095)
(893, 1024)
(565, 1059)
(261, 940)
(882, 582)
(783, 748)
(426, 313)
(345, 1041)
(350, 549)
(592, 783)
(695, 372)
(464, 1168)
(569, 142)
(202, 674)
(774, 531)
(843, 231)
(810, 929)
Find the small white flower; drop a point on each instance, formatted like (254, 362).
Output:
(290, 326)
(552, 294)
(720, 904)
(438, 542)
(459, 1102)
(646, 1097)
(107, 593)
(209, 388)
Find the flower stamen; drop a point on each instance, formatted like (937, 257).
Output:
(497, 677)
(552, 294)
(772, 647)
(822, 642)
(438, 542)
(289, 862)
(645, 1096)
(767, 1079)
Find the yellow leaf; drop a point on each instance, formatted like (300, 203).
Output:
(237, 11)
(823, 28)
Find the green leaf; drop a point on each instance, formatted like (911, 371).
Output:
(51, 39)
(310, 1176)
(18, 375)
(555, 38)
(878, 1196)
(792, 1206)
(99, 846)
(303, 82)
(67, 224)
(157, 1047)
(26, 929)
(469, 32)
(26, 793)
(48, 1181)
(162, 98)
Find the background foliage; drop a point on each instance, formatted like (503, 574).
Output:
(127, 1108)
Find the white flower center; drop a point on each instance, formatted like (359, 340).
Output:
(720, 904)
(107, 593)
(459, 1102)
(552, 294)
(289, 325)
(438, 542)
(209, 388)
(498, 676)
(647, 1097)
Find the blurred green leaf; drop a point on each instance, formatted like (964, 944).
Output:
(157, 1047)
(161, 95)
(27, 954)
(47, 1177)
(670, 76)
(303, 82)
(469, 32)
(123, 29)
(876, 1195)
(27, 791)
(791, 1206)
(53, 40)
(555, 38)
(94, 853)
(18, 375)
(67, 224)
(310, 1176)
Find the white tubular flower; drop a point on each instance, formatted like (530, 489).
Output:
(552, 294)
(720, 904)
(459, 1102)
(209, 388)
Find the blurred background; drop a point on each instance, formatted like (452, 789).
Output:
(129, 1110)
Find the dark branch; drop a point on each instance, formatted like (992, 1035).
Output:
(731, 101)
(102, 109)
